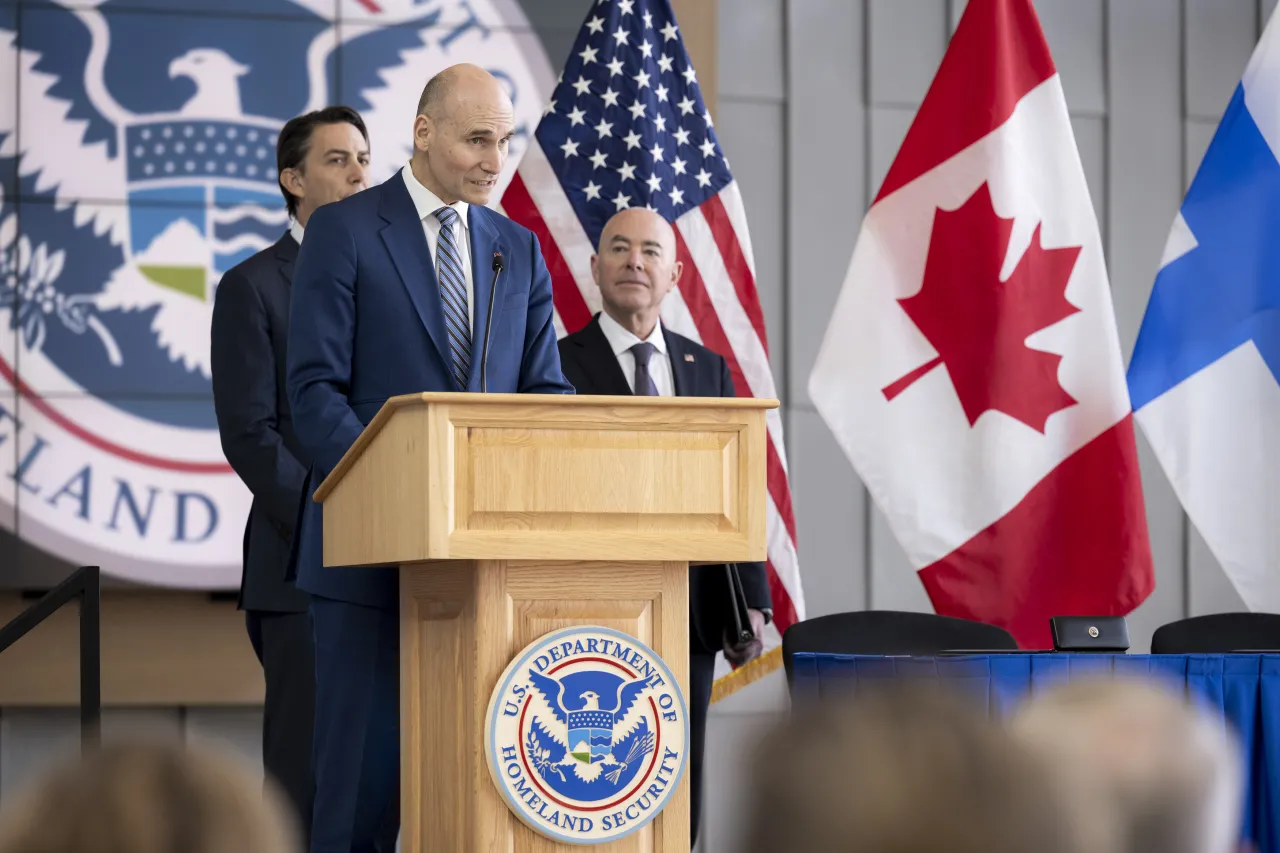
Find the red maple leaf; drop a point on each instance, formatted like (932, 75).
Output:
(979, 324)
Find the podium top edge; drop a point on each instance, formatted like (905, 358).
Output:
(474, 399)
(403, 401)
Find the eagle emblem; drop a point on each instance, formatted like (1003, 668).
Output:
(585, 734)
(593, 737)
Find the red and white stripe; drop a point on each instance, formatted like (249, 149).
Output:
(716, 304)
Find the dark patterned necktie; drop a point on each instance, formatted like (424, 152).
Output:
(644, 382)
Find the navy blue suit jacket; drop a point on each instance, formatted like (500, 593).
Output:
(367, 323)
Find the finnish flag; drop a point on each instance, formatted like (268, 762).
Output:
(1205, 374)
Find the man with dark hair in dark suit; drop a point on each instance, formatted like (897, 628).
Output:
(321, 157)
(626, 350)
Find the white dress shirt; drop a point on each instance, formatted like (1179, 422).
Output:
(427, 203)
(659, 363)
(296, 229)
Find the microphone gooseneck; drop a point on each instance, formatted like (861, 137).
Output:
(488, 324)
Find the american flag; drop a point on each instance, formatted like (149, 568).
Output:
(627, 127)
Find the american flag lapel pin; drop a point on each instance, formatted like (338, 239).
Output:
(688, 356)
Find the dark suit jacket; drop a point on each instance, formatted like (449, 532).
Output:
(590, 365)
(367, 323)
(250, 328)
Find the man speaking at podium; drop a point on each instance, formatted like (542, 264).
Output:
(392, 292)
(625, 350)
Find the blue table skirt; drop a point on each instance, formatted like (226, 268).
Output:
(1245, 689)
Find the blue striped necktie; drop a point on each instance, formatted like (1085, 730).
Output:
(453, 294)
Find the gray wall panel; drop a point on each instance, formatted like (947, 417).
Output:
(830, 505)
(1091, 141)
(889, 127)
(894, 582)
(906, 40)
(1145, 152)
(754, 142)
(1199, 133)
(557, 23)
(1144, 147)
(751, 49)
(1075, 31)
(1211, 591)
(825, 168)
(1219, 36)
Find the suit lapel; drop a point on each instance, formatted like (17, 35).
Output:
(286, 254)
(407, 244)
(684, 370)
(599, 362)
(484, 242)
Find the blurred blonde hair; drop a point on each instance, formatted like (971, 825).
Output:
(146, 797)
(903, 768)
(1168, 777)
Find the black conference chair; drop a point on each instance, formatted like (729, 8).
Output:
(890, 632)
(1218, 633)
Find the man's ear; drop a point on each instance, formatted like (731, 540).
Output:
(424, 131)
(291, 180)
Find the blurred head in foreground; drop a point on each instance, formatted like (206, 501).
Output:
(147, 798)
(905, 769)
(1167, 776)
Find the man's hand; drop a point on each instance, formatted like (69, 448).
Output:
(737, 655)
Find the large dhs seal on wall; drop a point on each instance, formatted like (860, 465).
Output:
(585, 735)
(145, 166)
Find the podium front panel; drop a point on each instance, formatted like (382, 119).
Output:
(461, 624)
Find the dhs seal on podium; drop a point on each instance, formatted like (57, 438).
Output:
(586, 735)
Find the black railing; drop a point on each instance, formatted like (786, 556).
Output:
(84, 584)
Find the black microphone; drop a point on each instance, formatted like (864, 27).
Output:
(488, 324)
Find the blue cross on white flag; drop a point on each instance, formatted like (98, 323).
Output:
(1205, 374)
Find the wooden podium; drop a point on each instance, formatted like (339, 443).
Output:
(515, 515)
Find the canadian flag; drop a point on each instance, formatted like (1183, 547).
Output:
(972, 371)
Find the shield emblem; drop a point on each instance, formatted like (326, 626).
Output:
(590, 735)
(203, 197)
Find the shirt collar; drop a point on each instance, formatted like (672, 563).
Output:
(621, 339)
(425, 201)
(296, 229)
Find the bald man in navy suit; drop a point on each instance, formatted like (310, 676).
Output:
(625, 350)
(391, 290)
